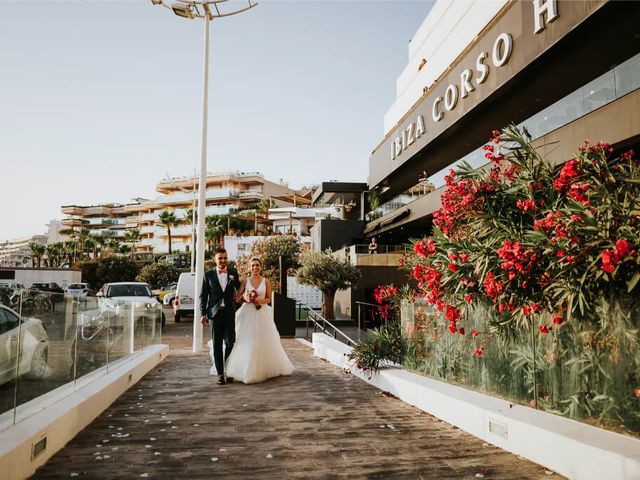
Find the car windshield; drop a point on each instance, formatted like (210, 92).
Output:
(129, 291)
(76, 286)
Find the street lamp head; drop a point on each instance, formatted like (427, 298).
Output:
(183, 10)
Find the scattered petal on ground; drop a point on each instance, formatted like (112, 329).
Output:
(479, 475)
(269, 455)
(144, 475)
(214, 459)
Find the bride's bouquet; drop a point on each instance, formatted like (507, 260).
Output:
(251, 296)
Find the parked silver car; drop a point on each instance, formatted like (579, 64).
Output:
(33, 343)
(79, 290)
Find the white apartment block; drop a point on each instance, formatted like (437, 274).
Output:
(226, 193)
(16, 253)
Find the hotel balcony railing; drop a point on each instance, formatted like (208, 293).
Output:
(605, 89)
(250, 194)
(360, 255)
(211, 194)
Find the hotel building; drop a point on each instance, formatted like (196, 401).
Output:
(565, 70)
(227, 193)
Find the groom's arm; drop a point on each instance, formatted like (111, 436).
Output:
(204, 300)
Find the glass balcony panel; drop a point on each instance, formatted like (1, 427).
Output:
(598, 92)
(628, 76)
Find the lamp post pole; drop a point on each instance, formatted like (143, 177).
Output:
(208, 10)
(202, 197)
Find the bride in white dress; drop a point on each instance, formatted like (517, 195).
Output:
(257, 354)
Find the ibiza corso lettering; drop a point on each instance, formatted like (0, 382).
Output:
(544, 11)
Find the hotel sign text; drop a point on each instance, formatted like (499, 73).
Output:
(544, 11)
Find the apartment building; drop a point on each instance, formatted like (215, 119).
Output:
(16, 253)
(228, 192)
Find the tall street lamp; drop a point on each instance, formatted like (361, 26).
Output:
(208, 10)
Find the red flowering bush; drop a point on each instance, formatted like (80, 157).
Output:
(531, 238)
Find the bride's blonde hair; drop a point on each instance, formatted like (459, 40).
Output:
(256, 259)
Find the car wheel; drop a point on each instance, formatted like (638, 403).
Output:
(178, 316)
(39, 362)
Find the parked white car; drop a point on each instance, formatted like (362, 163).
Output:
(185, 296)
(34, 346)
(119, 297)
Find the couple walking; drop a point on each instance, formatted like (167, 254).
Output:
(258, 354)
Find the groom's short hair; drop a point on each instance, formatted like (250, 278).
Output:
(220, 250)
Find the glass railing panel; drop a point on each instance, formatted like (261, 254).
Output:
(45, 350)
(439, 354)
(580, 370)
(9, 334)
(92, 339)
(591, 375)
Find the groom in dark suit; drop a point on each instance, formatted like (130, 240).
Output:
(218, 306)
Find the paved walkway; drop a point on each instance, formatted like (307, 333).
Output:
(319, 423)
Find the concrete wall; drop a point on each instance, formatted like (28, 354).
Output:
(335, 234)
(29, 276)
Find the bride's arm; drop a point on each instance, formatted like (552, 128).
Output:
(267, 294)
(243, 285)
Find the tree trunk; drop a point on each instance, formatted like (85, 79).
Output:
(169, 233)
(327, 305)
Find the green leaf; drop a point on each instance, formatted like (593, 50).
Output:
(633, 282)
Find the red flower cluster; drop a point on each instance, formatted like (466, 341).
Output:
(424, 249)
(492, 286)
(384, 292)
(568, 174)
(527, 206)
(548, 223)
(611, 258)
(458, 199)
(516, 258)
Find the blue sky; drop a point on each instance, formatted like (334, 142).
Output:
(101, 100)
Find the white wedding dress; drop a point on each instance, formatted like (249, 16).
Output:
(257, 354)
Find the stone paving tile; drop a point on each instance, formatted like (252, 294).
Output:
(319, 423)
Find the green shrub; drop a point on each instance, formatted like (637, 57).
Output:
(158, 274)
(108, 269)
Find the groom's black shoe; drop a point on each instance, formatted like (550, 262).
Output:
(229, 379)
(221, 380)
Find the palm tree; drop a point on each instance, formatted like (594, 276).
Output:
(188, 216)
(37, 251)
(132, 236)
(100, 242)
(215, 229)
(91, 245)
(54, 252)
(262, 208)
(113, 245)
(68, 250)
(168, 219)
(83, 234)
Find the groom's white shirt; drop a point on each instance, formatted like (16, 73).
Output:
(222, 278)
